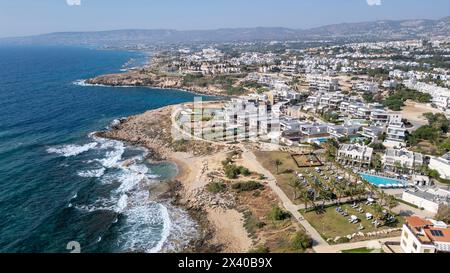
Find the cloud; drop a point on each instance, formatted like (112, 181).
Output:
(73, 2)
(374, 2)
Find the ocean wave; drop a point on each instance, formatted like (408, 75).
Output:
(167, 225)
(72, 149)
(122, 203)
(85, 84)
(92, 173)
(148, 226)
(112, 158)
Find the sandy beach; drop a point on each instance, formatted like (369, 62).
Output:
(152, 130)
(223, 217)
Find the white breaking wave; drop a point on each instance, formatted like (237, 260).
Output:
(71, 150)
(85, 84)
(148, 226)
(122, 204)
(167, 226)
(113, 157)
(92, 173)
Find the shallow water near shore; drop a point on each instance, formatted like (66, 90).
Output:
(58, 183)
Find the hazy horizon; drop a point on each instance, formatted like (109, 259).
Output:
(52, 16)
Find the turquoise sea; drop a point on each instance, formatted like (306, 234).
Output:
(57, 182)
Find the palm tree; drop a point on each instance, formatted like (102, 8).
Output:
(397, 166)
(295, 185)
(382, 196)
(278, 163)
(304, 196)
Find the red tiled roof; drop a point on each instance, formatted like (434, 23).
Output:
(414, 221)
(445, 231)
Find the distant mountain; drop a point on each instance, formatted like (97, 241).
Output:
(377, 30)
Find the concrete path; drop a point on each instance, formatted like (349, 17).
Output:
(287, 203)
(377, 244)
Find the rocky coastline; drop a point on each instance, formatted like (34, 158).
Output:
(152, 131)
(137, 78)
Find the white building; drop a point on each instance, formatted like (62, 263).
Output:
(322, 83)
(367, 87)
(355, 154)
(396, 132)
(379, 117)
(424, 236)
(427, 199)
(373, 132)
(442, 165)
(402, 159)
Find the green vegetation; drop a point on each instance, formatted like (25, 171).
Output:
(216, 187)
(278, 163)
(377, 72)
(378, 147)
(226, 82)
(363, 250)
(397, 100)
(232, 171)
(260, 250)
(330, 116)
(235, 91)
(252, 223)
(247, 186)
(433, 133)
(331, 224)
(301, 241)
(331, 148)
(277, 214)
(180, 145)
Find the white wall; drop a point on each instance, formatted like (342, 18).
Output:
(441, 167)
(408, 242)
(420, 202)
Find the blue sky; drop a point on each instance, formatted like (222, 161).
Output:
(25, 17)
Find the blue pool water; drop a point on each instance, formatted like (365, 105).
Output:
(320, 140)
(60, 184)
(378, 180)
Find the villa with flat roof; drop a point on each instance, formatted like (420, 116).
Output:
(396, 132)
(430, 199)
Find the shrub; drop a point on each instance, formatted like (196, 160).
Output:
(277, 214)
(247, 186)
(342, 240)
(180, 145)
(232, 171)
(216, 187)
(252, 223)
(301, 241)
(260, 249)
(244, 171)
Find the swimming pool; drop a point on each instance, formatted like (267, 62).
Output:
(380, 181)
(319, 140)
